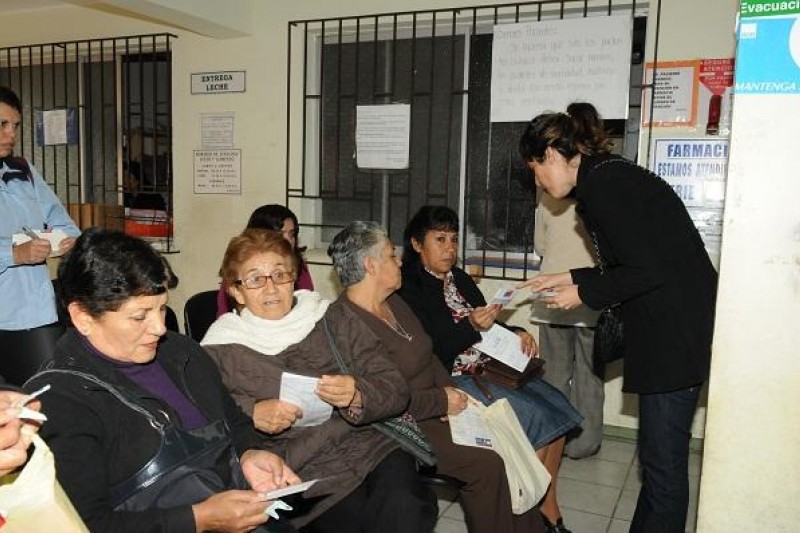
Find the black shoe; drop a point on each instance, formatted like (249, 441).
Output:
(558, 527)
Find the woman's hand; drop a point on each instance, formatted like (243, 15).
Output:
(547, 281)
(266, 471)
(274, 416)
(232, 511)
(565, 297)
(482, 318)
(339, 390)
(32, 252)
(66, 245)
(15, 434)
(456, 400)
(527, 343)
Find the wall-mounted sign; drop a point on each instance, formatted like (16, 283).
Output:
(697, 169)
(675, 98)
(216, 130)
(225, 81)
(217, 171)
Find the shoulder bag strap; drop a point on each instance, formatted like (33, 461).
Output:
(124, 397)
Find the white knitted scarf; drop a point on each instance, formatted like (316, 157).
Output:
(269, 336)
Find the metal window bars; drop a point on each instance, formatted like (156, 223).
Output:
(97, 124)
(439, 62)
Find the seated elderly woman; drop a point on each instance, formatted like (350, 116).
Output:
(145, 436)
(368, 268)
(454, 312)
(371, 484)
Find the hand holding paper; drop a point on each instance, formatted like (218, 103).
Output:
(53, 237)
(301, 391)
(503, 296)
(468, 428)
(503, 345)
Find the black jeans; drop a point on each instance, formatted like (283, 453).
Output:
(392, 499)
(665, 421)
(22, 352)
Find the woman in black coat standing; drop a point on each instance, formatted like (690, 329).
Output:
(656, 267)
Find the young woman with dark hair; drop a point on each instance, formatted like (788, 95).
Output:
(655, 267)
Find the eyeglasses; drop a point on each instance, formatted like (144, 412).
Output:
(279, 277)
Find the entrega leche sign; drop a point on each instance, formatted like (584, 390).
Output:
(226, 81)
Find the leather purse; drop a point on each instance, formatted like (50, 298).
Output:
(608, 336)
(501, 374)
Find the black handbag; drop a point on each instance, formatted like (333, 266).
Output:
(402, 429)
(609, 339)
(608, 335)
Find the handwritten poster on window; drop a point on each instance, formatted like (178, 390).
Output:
(382, 136)
(546, 65)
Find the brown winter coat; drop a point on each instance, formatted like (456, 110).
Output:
(345, 446)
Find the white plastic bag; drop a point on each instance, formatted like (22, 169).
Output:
(528, 479)
(35, 501)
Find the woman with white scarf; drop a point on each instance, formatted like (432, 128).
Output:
(367, 482)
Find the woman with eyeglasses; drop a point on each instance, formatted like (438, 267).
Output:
(368, 483)
(144, 434)
(279, 218)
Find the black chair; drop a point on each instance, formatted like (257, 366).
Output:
(431, 477)
(199, 313)
(171, 320)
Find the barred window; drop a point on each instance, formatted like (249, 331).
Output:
(97, 124)
(438, 62)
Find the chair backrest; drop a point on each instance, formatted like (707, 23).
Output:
(171, 320)
(199, 313)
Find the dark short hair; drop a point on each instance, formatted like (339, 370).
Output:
(271, 216)
(250, 242)
(106, 268)
(429, 217)
(10, 98)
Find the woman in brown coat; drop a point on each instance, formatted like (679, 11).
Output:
(369, 270)
(369, 485)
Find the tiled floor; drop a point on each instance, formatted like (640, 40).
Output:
(597, 495)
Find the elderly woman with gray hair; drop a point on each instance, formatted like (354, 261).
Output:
(369, 269)
(367, 482)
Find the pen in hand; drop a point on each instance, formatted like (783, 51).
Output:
(29, 232)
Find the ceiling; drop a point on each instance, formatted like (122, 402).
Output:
(30, 5)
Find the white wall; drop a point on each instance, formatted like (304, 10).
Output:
(204, 223)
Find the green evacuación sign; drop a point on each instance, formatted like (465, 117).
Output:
(769, 8)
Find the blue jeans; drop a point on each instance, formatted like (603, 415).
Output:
(665, 421)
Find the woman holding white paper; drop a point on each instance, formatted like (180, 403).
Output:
(29, 325)
(454, 312)
(367, 267)
(144, 435)
(370, 485)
